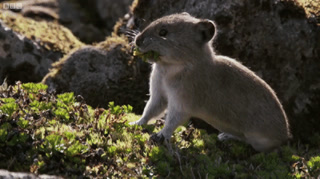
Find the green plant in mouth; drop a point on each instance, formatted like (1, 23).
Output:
(145, 56)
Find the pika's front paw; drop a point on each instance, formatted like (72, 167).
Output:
(134, 123)
(138, 122)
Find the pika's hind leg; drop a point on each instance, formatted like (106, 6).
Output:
(262, 143)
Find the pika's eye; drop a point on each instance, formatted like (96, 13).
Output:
(163, 32)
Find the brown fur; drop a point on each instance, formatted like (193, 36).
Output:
(189, 80)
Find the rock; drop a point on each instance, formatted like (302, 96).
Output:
(110, 11)
(82, 19)
(23, 59)
(10, 175)
(50, 35)
(91, 21)
(276, 39)
(101, 74)
(117, 82)
(312, 9)
(29, 48)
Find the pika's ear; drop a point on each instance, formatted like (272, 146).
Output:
(206, 30)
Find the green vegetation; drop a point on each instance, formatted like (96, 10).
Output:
(41, 132)
(145, 56)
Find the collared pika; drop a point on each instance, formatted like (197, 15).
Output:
(189, 80)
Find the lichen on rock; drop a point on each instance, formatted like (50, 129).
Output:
(51, 35)
(23, 59)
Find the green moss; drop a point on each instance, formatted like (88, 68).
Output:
(113, 41)
(56, 131)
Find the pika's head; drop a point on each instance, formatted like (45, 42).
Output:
(175, 37)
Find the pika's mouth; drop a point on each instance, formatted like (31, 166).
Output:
(147, 56)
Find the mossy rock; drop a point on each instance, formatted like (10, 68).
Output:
(51, 35)
(102, 73)
(22, 58)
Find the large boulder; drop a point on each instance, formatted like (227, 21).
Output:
(28, 48)
(102, 73)
(276, 39)
(111, 11)
(23, 59)
(114, 76)
(90, 20)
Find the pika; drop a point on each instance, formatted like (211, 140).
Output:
(190, 80)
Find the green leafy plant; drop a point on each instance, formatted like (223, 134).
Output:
(145, 56)
(34, 87)
(42, 132)
(8, 108)
(314, 165)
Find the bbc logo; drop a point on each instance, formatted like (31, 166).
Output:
(15, 6)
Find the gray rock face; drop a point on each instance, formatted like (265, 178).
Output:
(89, 20)
(99, 76)
(274, 38)
(70, 14)
(23, 59)
(110, 11)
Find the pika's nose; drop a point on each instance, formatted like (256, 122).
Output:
(139, 40)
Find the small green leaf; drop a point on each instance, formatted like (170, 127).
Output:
(8, 100)
(76, 148)
(34, 87)
(23, 123)
(9, 108)
(314, 163)
(62, 113)
(67, 98)
(111, 150)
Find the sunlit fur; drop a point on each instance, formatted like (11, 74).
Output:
(189, 80)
